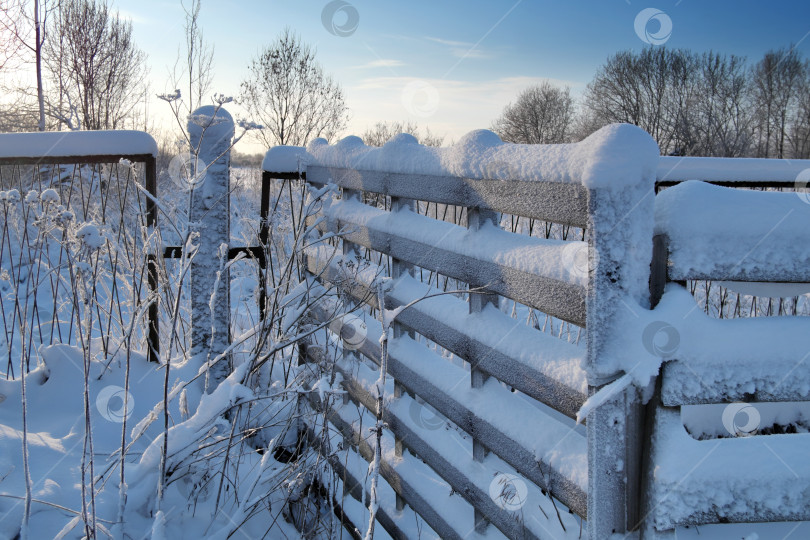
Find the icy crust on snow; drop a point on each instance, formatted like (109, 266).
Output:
(726, 233)
(763, 476)
(613, 157)
(77, 143)
(713, 169)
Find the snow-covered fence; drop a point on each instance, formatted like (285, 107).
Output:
(514, 448)
(756, 243)
(72, 208)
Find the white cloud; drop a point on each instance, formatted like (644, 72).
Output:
(381, 63)
(449, 42)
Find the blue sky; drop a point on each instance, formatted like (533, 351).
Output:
(452, 65)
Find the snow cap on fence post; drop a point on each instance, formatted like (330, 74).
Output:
(619, 170)
(211, 131)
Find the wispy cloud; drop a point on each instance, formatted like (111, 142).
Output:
(381, 63)
(461, 49)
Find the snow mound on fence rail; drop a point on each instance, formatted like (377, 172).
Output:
(713, 230)
(77, 143)
(615, 156)
(713, 169)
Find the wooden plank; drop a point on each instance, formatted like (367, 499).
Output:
(559, 299)
(354, 487)
(693, 472)
(730, 271)
(408, 490)
(549, 201)
(478, 497)
(736, 385)
(490, 435)
(490, 360)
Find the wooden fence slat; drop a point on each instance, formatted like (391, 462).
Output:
(492, 436)
(492, 360)
(559, 299)
(555, 202)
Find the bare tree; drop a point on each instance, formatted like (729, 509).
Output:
(96, 66)
(777, 79)
(383, 131)
(633, 88)
(288, 93)
(194, 66)
(722, 121)
(18, 20)
(542, 114)
(799, 134)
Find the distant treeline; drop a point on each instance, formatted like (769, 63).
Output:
(695, 104)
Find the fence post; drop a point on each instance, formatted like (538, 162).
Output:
(398, 269)
(153, 334)
(619, 234)
(476, 218)
(211, 131)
